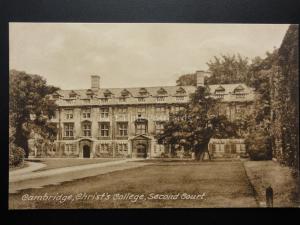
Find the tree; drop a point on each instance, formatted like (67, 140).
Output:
(30, 107)
(193, 126)
(229, 69)
(186, 80)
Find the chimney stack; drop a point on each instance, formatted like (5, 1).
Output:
(95, 82)
(200, 76)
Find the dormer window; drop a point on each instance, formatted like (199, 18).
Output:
(56, 95)
(143, 91)
(239, 89)
(125, 93)
(72, 94)
(107, 93)
(162, 91)
(89, 93)
(180, 91)
(220, 92)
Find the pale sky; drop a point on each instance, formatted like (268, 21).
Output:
(130, 55)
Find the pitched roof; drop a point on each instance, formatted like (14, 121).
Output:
(134, 92)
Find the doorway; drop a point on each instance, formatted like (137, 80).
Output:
(86, 151)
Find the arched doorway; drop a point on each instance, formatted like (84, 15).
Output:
(86, 151)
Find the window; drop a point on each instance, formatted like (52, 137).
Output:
(178, 108)
(160, 109)
(86, 113)
(68, 129)
(179, 98)
(70, 149)
(240, 95)
(104, 99)
(104, 112)
(141, 99)
(104, 148)
(160, 99)
(122, 99)
(122, 110)
(123, 129)
(104, 129)
(141, 109)
(122, 148)
(69, 114)
(141, 128)
(159, 127)
(70, 101)
(87, 129)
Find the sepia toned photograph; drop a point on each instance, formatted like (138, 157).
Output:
(153, 115)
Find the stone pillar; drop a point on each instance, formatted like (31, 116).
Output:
(130, 148)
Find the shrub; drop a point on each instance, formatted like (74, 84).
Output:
(16, 156)
(164, 155)
(259, 146)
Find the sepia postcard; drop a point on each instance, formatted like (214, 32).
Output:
(153, 115)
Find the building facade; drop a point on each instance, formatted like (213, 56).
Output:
(123, 122)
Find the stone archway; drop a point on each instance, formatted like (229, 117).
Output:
(85, 146)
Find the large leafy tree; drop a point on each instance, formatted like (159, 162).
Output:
(224, 69)
(30, 107)
(229, 69)
(193, 126)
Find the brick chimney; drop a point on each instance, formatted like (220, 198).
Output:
(95, 82)
(200, 76)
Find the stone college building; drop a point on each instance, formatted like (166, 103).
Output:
(122, 122)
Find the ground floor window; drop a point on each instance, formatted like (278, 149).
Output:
(122, 148)
(70, 149)
(104, 148)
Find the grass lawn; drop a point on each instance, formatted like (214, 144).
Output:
(285, 185)
(224, 183)
(61, 162)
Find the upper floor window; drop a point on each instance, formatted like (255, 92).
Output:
(86, 113)
(69, 114)
(122, 110)
(104, 129)
(86, 128)
(179, 98)
(141, 99)
(160, 109)
(68, 129)
(178, 108)
(141, 110)
(104, 100)
(161, 99)
(70, 100)
(141, 128)
(159, 127)
(240, 95)
(123, 99)
(104, 112)
(123, 129)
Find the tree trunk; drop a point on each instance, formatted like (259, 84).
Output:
(22, 140)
